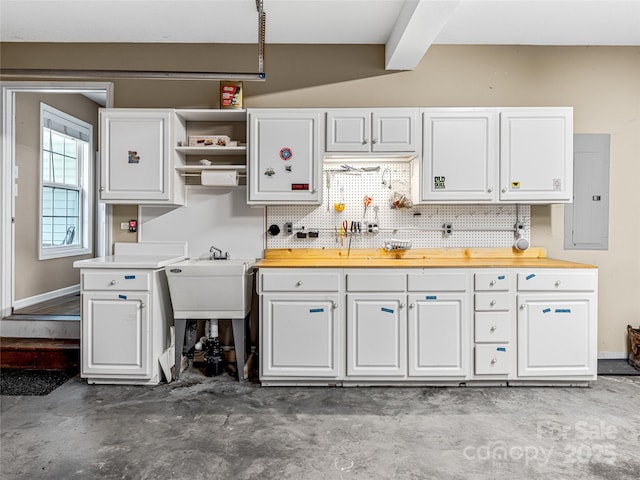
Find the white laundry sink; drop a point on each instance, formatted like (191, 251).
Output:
(204, 288)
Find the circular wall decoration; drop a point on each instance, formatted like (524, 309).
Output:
(286, 153)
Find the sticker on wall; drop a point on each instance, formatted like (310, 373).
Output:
(386, 310)
(515, 185)
(286, 153)
(438, 183)
(557, 184)
(269, 172)
(288, 169)
(299, 186)
(133, 157)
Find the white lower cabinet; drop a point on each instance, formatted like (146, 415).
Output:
(376, 335)
(438, 338)
(124, 325)
(428, 326)
(557, 323)
(300, 335)
(115, 334)
(556, 335)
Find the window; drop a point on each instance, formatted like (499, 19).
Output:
(65, 184)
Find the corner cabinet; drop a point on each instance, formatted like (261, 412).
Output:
(496, 155)
(285, 162)
(381, 130)
(136, 157)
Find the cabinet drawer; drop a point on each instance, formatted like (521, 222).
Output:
(493, 360)
(492, 327)
(557, 281)
(437, 282)
(491, 281)
(116, 280)
(493, 301)
(304, 281)
(372, 282)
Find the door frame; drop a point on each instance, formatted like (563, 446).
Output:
(7, 175)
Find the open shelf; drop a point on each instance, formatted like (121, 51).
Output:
(200, 168)
(213, 150)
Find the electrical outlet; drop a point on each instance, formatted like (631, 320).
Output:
(124, 226)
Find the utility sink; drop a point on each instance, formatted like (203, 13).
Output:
(207, 288)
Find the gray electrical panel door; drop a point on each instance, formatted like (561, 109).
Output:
(586, 220)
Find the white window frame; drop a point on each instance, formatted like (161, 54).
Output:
(85, 223)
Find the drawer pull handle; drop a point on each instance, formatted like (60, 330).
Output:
(493, 328)
(557, 284)
(402, 305)
(494, 360)
(412, 305)
(299, 283)
(492, 283)
(492, 303)
(334, 305)
(523, 306)
(142, 305)
(490, 190)
(112, 282)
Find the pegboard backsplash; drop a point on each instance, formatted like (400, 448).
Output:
(473, 226)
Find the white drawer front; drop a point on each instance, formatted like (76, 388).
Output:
(492, 327)
(116, 280)
(437, 282)
(491, 281)
(557, 280)
(375, 282)
(304, 281)
(493, 301)
(493, 360)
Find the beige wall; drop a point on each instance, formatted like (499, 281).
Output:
(33, 276)
(601, 83)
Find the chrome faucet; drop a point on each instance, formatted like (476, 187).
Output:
(216, 254)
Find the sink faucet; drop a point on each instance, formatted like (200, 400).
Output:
(216, 254)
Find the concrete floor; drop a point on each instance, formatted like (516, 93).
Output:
(214, 428)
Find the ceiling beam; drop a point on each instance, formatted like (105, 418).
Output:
(418, 25)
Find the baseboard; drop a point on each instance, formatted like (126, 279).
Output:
(43, 297)
(612, 355)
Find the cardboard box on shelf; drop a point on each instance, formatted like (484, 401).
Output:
(230, 94)
(209, 141)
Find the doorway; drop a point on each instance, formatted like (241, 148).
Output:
(16, 280)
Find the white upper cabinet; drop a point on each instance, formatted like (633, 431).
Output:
(136, 157)
(285, 164)
(536, 155)
(381, 130)
(460, 148)
(511, 155)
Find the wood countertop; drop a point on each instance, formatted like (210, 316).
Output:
(418, 258)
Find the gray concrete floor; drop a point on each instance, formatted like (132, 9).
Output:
(215, 428)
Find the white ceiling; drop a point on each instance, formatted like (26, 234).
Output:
(406, 27)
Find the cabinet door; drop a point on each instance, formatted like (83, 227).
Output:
(284, 157)
(460, 154)
(348, 131)
(438, 335)
(115, 334)
(135, 159)
(394, 130)
(300, 336)
(536, 155)
(556, 335)
(376, 335)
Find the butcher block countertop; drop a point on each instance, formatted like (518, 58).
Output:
(417, 258)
